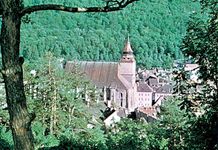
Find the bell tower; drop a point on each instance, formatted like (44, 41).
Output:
(127, 64)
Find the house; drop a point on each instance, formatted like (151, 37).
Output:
(144, 95)
(161, 93)
(192, 69)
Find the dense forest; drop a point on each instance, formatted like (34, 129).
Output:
(155, 27)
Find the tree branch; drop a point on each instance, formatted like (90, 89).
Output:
(110, 6)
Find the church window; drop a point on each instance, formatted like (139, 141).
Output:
(108, 94)
(121, 97)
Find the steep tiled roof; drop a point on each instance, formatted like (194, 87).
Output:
(165, 89)
(149, 111)
(100, 73)
(127, 53)
(152, 81)
(144, 87)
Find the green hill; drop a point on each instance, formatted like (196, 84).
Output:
(156, 28)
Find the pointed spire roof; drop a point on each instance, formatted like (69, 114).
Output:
(127, 48)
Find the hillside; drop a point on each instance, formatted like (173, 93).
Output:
(156, 28)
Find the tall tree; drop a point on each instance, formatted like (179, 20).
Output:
(200, 46)
(11, 12)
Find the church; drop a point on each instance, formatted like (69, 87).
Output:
(117, 81)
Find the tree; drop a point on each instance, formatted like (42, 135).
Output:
(127, 134)
(57, 97)
(200, 46)
(168, 132)
(60, 97)
(11, 12)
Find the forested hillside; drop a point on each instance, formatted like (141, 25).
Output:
(155, 27)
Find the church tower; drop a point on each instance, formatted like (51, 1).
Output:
(127, 64)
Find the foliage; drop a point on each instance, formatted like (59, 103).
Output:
(201, 47)
(49, 86)
(57, 96)
(173, 126)
(6, 141)
(169, 132)
(42, 140)
(155, 29)
(61, 109)
(127, 134)
(86, 139)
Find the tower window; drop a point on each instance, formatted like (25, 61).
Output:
(121, 97)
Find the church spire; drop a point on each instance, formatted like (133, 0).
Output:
(127, 48)
(127, 52)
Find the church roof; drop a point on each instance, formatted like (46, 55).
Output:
(167, 89)
(144, 87)
(153, 82)
(102, 74)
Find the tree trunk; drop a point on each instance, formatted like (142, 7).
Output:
(53, 118)
(20, 119)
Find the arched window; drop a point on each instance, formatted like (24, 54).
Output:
(121, 99)
(108, 94)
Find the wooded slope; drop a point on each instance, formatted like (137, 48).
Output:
(155, 27)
